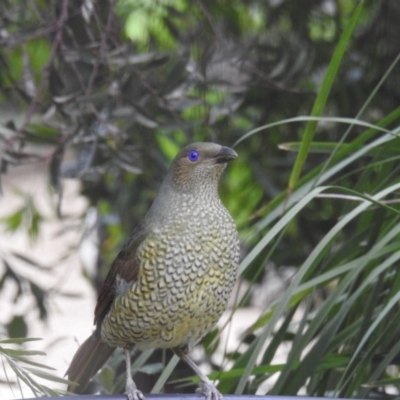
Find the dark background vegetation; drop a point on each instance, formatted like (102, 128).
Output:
(107, 91)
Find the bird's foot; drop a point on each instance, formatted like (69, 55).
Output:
(210, 391)
(133, 393)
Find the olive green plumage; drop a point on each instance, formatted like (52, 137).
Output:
(171, 282)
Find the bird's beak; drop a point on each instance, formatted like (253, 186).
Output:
(225, 155)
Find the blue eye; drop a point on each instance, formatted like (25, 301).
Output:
(193, 155)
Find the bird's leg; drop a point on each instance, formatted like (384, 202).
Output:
(131, 390)
(206, 387)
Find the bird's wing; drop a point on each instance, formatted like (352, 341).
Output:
(126, 267)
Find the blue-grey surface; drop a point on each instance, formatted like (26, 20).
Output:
(180, 397)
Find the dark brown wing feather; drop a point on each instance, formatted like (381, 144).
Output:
(126, 267)
(93, 353)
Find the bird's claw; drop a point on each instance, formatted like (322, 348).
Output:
(209, 391)
(133, 393)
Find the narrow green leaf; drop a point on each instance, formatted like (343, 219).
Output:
(315, 147)
(312, 119)
(47, 376)
(165, 375)
(18, 340)
(322, 97)
(18, 353)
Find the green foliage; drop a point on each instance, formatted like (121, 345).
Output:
(150, 19)
(27, 218)
(26, 370)
(17, 327)
(323, 94)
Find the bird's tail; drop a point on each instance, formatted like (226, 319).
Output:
(89, 358)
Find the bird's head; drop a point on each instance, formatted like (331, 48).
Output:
(199, 165)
